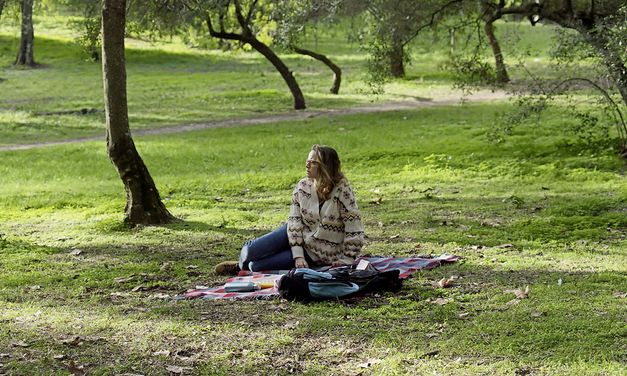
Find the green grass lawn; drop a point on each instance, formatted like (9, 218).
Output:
(534, 211)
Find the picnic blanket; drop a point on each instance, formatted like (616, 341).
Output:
(406, 265)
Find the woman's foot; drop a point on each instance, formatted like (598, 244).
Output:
(227, 268)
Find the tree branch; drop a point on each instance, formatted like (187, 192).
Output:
(431, 21)
(240, 18)
(250, 12)
(222, 34)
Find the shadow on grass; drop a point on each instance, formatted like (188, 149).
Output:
(51, 52)
(562, 323)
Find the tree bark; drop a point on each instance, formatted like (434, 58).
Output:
(247, 37)
(501, 70)
(288, 77)
(25, 55)
(337, 72)
(397, 57)
(143, 204)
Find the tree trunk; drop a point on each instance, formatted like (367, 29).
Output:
(397, 57)
(143, 204)
(337, 72)
(501, 71)
(25, 56)
(299, 99)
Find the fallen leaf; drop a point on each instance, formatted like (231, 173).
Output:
(520, 293)
(124, 279)
(75, 251)
(536, 313)
(441, 301)
(174, 369)
(395, 236)
(218, 199)
(19, 344)
(369, 363)
(463, 314)
(291, 324)
(161, 352)
(513, 302)
(59, 357)
(445, 282)
(74, 341)
(137, 288)
(117, 295)
(93, 338)
(159, 296)
(165, 266)
(34, 287)
(75, 370)
(620, 294)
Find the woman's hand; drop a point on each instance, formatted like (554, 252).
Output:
(300, 262)
(338, 263)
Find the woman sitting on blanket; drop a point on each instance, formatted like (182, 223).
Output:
(323, 228)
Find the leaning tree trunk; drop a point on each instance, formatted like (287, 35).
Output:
(397, 57)
(25, 55)
(501, 71)
(143, 204)
(288, 77)
(337, 72)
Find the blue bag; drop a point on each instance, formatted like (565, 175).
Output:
(303, 284)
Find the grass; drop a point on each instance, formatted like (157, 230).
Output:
(561, 210)
(541, 209)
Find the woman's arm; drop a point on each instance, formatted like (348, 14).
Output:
(295, 226)
(353, 228)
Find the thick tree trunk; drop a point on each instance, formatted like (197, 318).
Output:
(25, 55)
(501, 70)
(143, 204)
(397, 59)
(337, 72)
(299, 99)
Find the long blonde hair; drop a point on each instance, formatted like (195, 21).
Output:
(329, 170)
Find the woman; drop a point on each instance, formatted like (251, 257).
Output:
(323, 228)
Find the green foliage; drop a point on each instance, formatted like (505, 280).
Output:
(89, 36)
(472, 71)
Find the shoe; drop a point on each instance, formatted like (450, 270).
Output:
(227, 268)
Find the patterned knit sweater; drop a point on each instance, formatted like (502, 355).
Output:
(331, 232)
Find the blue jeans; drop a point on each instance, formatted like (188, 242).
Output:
(269, 252)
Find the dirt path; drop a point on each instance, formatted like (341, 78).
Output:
(288, 116)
